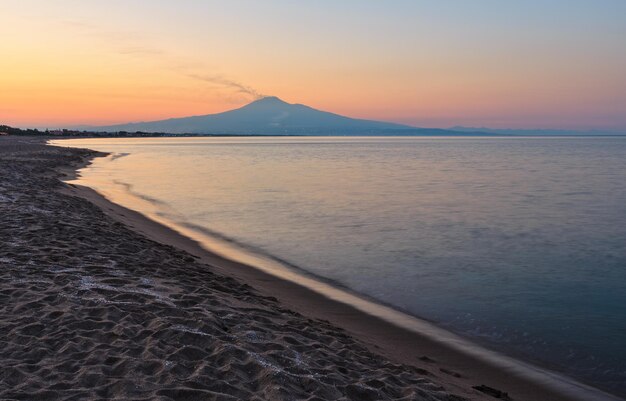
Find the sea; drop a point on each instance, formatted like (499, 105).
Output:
(515, 243)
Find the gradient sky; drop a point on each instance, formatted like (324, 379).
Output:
(438, 63)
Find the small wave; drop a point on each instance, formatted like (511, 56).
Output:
(116, 156)
(129, 188)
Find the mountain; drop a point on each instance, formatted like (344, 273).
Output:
(271, 116)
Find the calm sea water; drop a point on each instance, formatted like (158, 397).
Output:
(518, 243)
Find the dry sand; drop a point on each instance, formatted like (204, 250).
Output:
(96, 303)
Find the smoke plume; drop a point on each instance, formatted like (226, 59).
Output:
(228, 83)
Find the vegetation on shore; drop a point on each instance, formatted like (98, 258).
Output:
(8, 130)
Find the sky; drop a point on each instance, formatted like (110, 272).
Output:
(438, 63)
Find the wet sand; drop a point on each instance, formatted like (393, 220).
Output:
(99, 302)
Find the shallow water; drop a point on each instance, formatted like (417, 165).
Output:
(519, 243)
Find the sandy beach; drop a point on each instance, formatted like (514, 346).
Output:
(99, 302)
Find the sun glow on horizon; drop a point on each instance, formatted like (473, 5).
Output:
(556, 64)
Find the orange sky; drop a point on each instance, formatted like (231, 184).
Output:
(492, 64)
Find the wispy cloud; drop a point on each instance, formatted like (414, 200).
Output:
(135, 44)
(140, 50)
(228, 83)
(76, 24)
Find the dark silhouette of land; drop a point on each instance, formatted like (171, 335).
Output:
(273, 116)
(270, 116)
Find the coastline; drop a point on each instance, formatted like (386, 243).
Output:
(454, 371)
(403, 338)
(398, 336)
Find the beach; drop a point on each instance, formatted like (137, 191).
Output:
(99, 302)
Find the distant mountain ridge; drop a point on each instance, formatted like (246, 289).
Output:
(271, 116)
(535, 132)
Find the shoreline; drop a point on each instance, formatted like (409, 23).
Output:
(100, 302)
(402, 341)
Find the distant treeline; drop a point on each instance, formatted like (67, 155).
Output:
(7, 130)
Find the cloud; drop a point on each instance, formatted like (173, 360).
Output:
(136, 44)
(228, 83)
(140, 50)
(76, 24)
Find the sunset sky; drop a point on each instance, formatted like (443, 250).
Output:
(438, 63)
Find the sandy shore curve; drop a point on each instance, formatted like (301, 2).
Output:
(99, 302)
